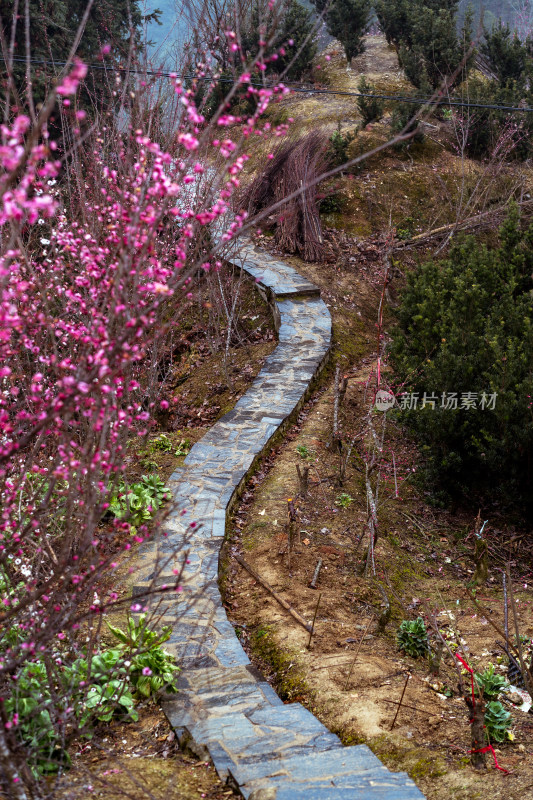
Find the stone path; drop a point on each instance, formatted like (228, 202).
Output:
(224, 709)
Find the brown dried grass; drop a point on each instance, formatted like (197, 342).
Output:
(294, 165)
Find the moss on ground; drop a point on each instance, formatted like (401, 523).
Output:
(287, 676)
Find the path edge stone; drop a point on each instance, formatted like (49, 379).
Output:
(394, 782)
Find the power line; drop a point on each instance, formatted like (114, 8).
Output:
(292, 87)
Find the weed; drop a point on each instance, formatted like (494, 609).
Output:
(303, 451)
(344, 500)
(164, 444)
(490, 683)
(412, 637)
(183, 447)
(497, 722)
(407, 231)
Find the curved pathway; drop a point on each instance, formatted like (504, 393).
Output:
(224, 708)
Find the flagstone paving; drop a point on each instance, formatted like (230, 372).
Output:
(224, 708)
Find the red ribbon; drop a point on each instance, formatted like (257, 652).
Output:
(490, 748)
(471, 671)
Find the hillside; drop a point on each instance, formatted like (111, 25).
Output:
(353, 674)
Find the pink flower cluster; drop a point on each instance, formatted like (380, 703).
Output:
(97, 259)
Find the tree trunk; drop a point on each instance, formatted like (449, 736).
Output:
(303, 478)
(477, 730)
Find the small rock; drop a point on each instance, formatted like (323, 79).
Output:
(515, 698)
(264, 794)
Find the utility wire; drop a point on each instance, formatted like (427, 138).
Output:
(293, 88)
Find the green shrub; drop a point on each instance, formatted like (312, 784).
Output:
(466, 326)
(506, 54)
(370, 108)
(490, 683)
(293, 22)
(412, 637)
(151, 668)
(338, 147)
(402, 114)
(429, 42)
(332, 203)
(492, 133)
(138, 503)
(497, 722)
(347, 21)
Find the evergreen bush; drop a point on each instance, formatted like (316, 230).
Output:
(371, 108)
(347, 21)
(464, 342)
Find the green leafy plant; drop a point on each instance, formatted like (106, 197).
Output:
(412, 637)
(139, 502)
(406, 230)
(489, 683)
(344, 500)
(150, 667)
(31, 705)
(102, 701)
(95, 697)
(303, 451)
(497, 722)
(163, 443)
(183, 447)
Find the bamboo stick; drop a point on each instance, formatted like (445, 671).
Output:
(274, 594)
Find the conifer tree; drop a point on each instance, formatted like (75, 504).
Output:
(465, 339)
(425, 33)
(287, 21)
(52, 28)
(347, 21)
(507, 56)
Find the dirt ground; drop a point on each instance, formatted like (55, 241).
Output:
(351, 676)
(139, 759)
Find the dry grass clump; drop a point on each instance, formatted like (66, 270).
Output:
(295, 165)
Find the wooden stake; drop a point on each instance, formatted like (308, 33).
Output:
(274, 594)
(406, 705)
(312, 582)
(527, 677)
(291, 513)
(356, 654)
(505, 611)
(303, 478)
(401, 700)
(313, 623)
